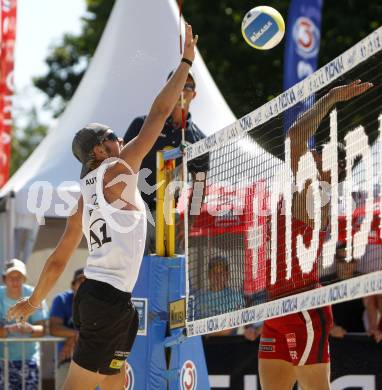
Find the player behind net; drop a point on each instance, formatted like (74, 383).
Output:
(296, 346)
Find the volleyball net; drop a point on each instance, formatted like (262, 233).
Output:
(282, 206)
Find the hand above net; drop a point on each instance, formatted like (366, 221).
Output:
(189, 44)
(349, 91)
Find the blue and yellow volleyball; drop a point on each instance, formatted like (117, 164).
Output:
(263, 27)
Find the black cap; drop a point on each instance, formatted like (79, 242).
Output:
(84, 142)
(190, 73)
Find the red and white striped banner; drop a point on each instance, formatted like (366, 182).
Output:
(7, 46)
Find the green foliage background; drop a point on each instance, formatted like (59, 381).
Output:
(246, 77)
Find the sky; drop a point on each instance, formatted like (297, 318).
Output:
(40, 24)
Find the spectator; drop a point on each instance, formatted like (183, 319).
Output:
(347, 316)
(171, 135)
(345, 269)
(14, 278)
(253, 331)
(219, 298)
(373, 316)
(371, 262)
(61, 325)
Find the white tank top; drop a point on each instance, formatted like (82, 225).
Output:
(116, 238)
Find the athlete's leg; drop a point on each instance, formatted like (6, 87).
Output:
(81, 379)
(313, 376)
(276, 374)
(114, 382)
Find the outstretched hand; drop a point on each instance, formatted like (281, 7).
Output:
(21, 311)
(349, 91)
(189, 43)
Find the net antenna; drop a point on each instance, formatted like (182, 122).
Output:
(180, 4)
(184, 165)
(284, 227)
(168, 179)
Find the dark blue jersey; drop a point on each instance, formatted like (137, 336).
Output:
(169, 136)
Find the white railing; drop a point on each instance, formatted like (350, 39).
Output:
(22, 340)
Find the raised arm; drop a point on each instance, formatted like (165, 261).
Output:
(53, 268)
(134, 152)
(306, 126)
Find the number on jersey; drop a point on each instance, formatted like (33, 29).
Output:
(98, 235)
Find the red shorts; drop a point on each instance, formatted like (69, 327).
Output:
(300, 339)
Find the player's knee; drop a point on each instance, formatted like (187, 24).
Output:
(114, 382)
(315, 386)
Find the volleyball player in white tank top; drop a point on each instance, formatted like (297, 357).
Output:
(115, 227)
(115, 252)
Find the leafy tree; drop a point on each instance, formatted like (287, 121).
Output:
(25, 140)
(246, 77)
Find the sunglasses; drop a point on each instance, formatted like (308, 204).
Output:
(190, 87)
(108, 137)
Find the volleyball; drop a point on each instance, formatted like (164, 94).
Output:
(263, 27)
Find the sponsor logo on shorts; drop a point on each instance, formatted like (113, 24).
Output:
(293, 355)
(267, 348)
(291, 340)
(188, 376)
(267, 340)
(129, 379)
(116, 364)
(121, 354)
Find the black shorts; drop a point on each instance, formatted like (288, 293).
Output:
(107, 322)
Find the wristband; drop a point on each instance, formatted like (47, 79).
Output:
(186, 61)
(33, 306)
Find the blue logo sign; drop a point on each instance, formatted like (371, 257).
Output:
(141, 306)
(307, 37)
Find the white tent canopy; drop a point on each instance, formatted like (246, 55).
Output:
(139, 47)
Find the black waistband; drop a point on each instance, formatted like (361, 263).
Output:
(102, 289)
